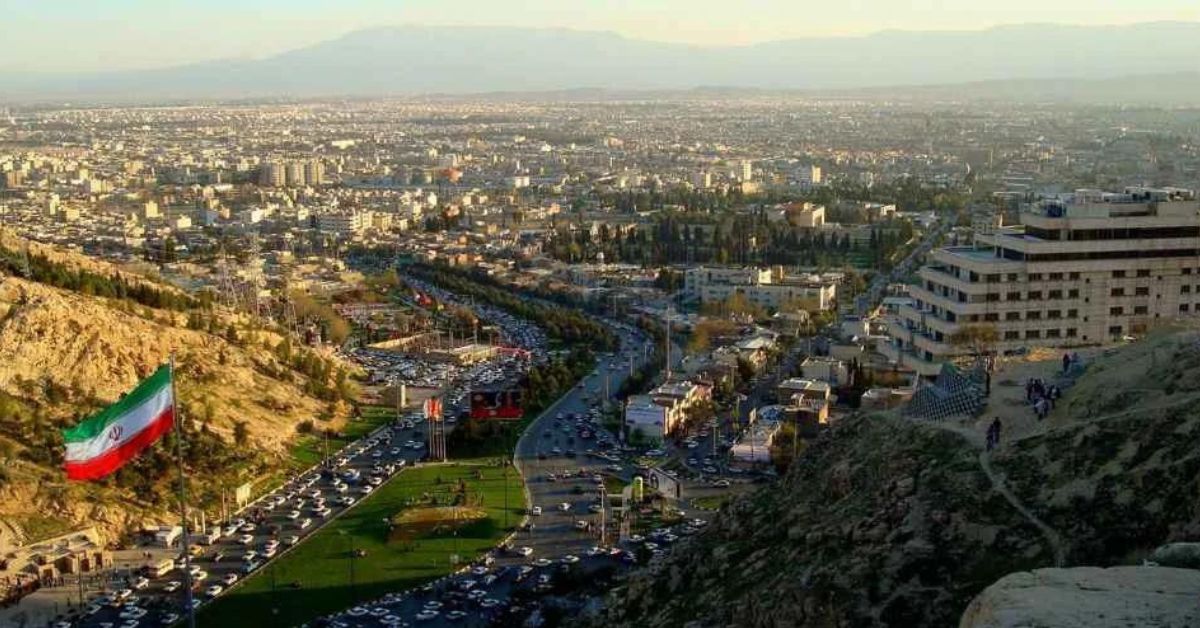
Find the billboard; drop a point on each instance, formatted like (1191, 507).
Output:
(666, 485)
(496, 404)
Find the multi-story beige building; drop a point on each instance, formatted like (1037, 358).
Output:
(1087, 268)
(767, 287)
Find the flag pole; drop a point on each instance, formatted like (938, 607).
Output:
(187, 555)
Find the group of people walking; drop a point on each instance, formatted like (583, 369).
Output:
(1041, 396)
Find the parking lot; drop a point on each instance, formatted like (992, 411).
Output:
(263, 530)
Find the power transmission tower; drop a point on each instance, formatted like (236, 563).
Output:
(226, 290)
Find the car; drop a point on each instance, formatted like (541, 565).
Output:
(357, 611)
(366, 489)
(479, 570)
(489, 603)
(581, 525)
(536, 511)
(595, 508)
(721, 484)
(172, 586)
(214, 590)
(570, 559)
(168, 619)
(291, 540)
(564, 507)
(247, 527)
(525, 551)
(229, 578)
(304, 523)
(427, 615)
(246, 539)
(542, 562)
(293, 515)
(141, 582)
(199, 576)
(250, 566)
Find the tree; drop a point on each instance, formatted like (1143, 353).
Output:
(241, 433)
(977, 338)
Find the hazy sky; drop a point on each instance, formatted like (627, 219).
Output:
(120, 34)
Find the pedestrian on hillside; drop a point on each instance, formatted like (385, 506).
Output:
(996, 429)
(1066, 362)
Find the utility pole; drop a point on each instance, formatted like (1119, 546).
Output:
(668, 343)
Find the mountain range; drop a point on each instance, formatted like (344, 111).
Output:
(413, 60)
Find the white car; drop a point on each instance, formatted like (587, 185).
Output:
(141, 583)
(293, 515)
(291, 540)
(581, 525)
(536, 511)
(246, 539)
(214, 590)
(172, 586)
(427, 615)
(304, 523)
(564, 506)
(229, 578)
(525, 551)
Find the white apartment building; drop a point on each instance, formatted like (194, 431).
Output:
(659, 413)
(767, 287)
(345, 224)
(1086, 268)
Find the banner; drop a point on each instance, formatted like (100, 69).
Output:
(433, 408)
(497, 404)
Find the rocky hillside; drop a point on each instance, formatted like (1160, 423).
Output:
(66, 352)
(889, 522)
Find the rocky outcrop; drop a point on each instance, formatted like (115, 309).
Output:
(1089, 597)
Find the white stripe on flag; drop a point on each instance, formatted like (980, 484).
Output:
(122, 430)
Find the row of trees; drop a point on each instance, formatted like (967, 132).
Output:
(44, 270)
(743, 238)
(568, 325)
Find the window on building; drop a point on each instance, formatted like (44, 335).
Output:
(1053, 333)
(1054, 294)
(1143, 272)
(1185, 289)
(1056, 276)
(1142, 291)
(1117, 292)
(1072, 313)
(1035, 276)
(1012, 316)
(1012, 277)
(1054, 314)
(993, 296)
(1012, 335)
(1012, 296)
(1035, 295)
(1031, 334)
(1187, 271)
(1070, 332)
(1033, 315)
(1183, 307)
(1073, 276)
(1116, 311)
(1118, 274)
(991, 317)
(1073, 294)
(1141, 309)
(1115, 330)
(993, 278)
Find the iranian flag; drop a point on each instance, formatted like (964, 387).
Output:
(105, 442)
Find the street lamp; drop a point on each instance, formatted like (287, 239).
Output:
(350, 544)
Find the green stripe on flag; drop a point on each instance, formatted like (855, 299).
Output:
(96, 424)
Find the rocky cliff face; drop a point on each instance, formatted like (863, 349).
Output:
(890, 522)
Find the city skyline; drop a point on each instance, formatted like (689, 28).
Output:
(133, 34)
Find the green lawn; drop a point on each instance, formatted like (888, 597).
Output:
(321, 564)
(309, 449)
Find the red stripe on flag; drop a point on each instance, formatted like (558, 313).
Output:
(114, 459)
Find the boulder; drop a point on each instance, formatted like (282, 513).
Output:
(1089, 597)
(1185, 555)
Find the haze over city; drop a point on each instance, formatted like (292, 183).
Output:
(593, 314)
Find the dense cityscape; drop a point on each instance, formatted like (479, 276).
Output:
(681, 358)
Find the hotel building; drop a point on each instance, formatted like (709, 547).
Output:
(1082, 269)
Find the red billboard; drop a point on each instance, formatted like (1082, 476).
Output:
(496, 404)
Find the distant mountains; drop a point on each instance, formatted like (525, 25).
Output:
(410, 60)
